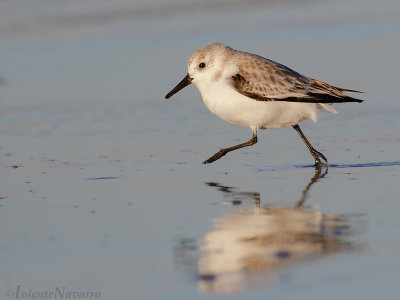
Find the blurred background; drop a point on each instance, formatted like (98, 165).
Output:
(102, 184)
(86, 50)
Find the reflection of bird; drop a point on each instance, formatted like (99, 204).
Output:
(258, 239)
(250, 240)
(249, 90)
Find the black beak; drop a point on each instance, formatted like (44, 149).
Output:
(185, 81)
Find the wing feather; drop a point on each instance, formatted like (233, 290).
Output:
(265, 80)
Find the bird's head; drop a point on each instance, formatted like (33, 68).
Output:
(204, 67)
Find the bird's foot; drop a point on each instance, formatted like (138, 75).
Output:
(215, 157)
(317, 158)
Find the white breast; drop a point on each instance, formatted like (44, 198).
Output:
(223, 100)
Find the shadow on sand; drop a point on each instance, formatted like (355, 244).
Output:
(360, 165)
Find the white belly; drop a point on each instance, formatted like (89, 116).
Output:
(222, 100)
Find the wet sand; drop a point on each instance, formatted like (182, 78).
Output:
(102, 183)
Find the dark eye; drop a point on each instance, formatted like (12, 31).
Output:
(202, 65)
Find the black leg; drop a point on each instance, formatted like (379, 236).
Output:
(316, 154)
(222, 152)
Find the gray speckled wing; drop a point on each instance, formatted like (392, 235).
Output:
(265, 80)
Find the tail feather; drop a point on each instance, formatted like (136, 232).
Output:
(330, 88)
(347, 90)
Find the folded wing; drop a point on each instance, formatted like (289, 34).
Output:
(265, 80)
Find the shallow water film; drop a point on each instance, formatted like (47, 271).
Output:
(103, 194)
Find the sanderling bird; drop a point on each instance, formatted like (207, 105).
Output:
(253, 91)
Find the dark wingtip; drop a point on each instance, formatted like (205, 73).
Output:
(351, 99)
(318, 98)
